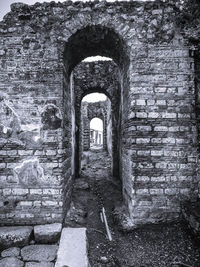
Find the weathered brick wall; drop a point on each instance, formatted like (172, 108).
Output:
(31, 146)
(157, 129)
(163, 132)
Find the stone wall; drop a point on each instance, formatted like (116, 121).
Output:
(40, 46)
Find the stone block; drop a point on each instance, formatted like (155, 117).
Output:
(76, 241)
(161, 129)
(160, 90)
(142, 191)
(158, 179)
(144, 128)
(51, 191)
(169, 140)
(15, 236)
(11, 252)
(48, 233)
(156, 140)
(141, 115)
(2, 52)
(39, 253)
(2, 165)
(171, 191)
(26, 203)
(11, 262)
(143, 178)
(174, 129)
(171, 115)
(36, 191)
(142, 140)
(37, 203)
(156, 153)
(154, 115)
(143, 153)
(161, 165)
(25, 152)
(49, 203)
(150, 102)
(19, 191)
(156, 191)
(140, 102)
(7, 191)
(51, 152)
(161, 102)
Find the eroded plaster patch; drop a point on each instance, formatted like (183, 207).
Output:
(30, 172)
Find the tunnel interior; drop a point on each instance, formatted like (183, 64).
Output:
(92, 41)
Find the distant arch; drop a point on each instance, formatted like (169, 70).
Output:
(96, 132)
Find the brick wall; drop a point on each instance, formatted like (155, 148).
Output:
(153, 96)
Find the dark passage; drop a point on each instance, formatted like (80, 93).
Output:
(161, 245)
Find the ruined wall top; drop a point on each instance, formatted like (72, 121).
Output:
(148, 20)
(22, 11)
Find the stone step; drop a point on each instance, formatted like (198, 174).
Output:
(72, 250)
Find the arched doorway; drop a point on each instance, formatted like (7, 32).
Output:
(92, 41)
(96, 133)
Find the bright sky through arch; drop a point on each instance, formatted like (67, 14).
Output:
(94, 97)
(97, 58)
(96, 124)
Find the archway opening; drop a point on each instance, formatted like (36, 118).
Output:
(95, 40)
(96, 133)
(96, 124)
(96, 127)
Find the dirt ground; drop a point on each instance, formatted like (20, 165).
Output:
(163, 245)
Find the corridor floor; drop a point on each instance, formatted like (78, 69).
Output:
(163, 245)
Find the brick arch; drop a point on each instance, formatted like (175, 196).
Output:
(92, 40)
(89, 112)
(113, 96)
(106, 20)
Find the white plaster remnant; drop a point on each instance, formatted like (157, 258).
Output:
(30, 172)
(9, 117)
(30, 127)
(34, 129)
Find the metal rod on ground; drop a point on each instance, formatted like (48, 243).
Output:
(106, 224)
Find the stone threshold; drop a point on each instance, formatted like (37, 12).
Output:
(72, 251)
